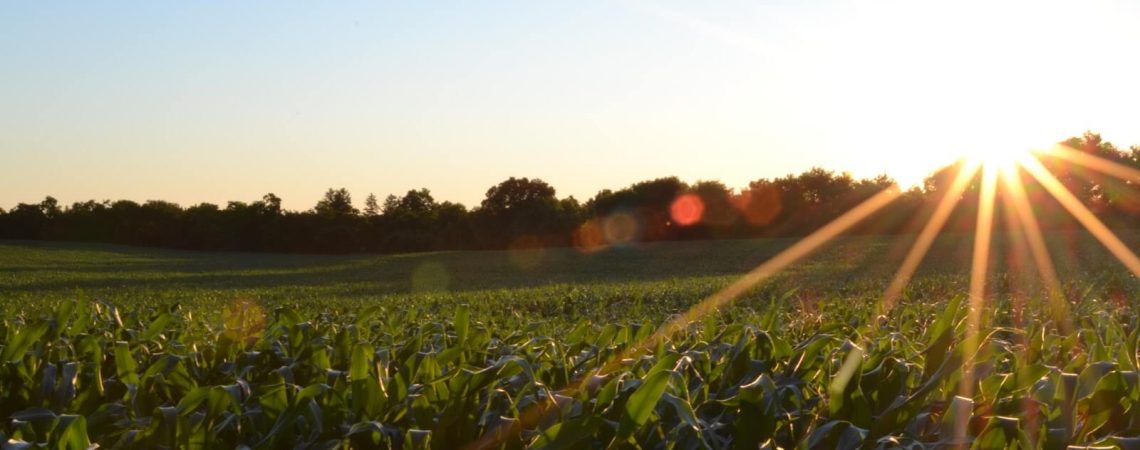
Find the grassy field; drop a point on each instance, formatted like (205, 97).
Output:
(141, 348)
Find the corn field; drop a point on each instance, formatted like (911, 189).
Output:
(88, 373)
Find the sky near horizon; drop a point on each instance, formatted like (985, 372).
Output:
(214, 101)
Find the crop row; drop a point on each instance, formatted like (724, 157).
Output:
(89, 372)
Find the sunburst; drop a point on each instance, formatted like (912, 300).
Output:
(1001, 172)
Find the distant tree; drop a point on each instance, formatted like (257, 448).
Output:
(417, 202)
(415, 206)
(940, 180)
(88, 206)
(517, 193)
(717, 201)
(521, 207)
(879, 182)
(371, 207)
(1134, 156)
(336, 203)
(50, 207)
(204, 228)
(760, 203)
(338, 229)
(821, 186)
(25, 221)
(527, 209)
(649, 200)
(158, 224)
(271, 204)
(571, 209)
(1095, 189)
(391, 203)
(410, 221)
(653, 195)
(452, 228)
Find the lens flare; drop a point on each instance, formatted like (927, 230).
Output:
(759, 205)
(526, 252)
(1003, 166)
(687, 210)
(621, 228)
(589, 237)
(799, 250)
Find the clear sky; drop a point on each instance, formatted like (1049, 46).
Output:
(213, 101)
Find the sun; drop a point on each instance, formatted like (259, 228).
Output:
(1004, 158)
(1005, 149)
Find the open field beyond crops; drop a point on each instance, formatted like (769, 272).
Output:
(140, 348)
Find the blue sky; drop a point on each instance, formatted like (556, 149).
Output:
(211, 101)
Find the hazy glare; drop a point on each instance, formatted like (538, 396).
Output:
(192, 102)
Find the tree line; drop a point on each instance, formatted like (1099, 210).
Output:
(526, 212)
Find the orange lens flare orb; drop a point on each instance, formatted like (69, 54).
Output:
(589, 237)
(687, 210)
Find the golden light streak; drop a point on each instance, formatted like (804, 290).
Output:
(1019, 202)
(1093, 162)
(914, 256)
(797, 251)
(792, 254)
(1023, 219)
(1017, 261)
(1082, 214)
(926, 237)
(984, 232)
(978, 270)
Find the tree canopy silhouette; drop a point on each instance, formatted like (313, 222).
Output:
(526, 212)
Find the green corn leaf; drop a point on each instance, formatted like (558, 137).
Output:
(641, 404)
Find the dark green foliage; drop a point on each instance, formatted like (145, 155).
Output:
(516, 213)
(185, 350)
(410, 376)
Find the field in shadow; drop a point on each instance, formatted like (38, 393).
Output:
(42, 269)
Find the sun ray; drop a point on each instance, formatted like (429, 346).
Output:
(797, 251)
(1093, 162)
(1019, 264)
(978, 271)
(1070, 202)
(983, 235)
(1019, 202)
(1022, 219)
(1017, 261)
(785, 258)
(914, 256)
(926, 237)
